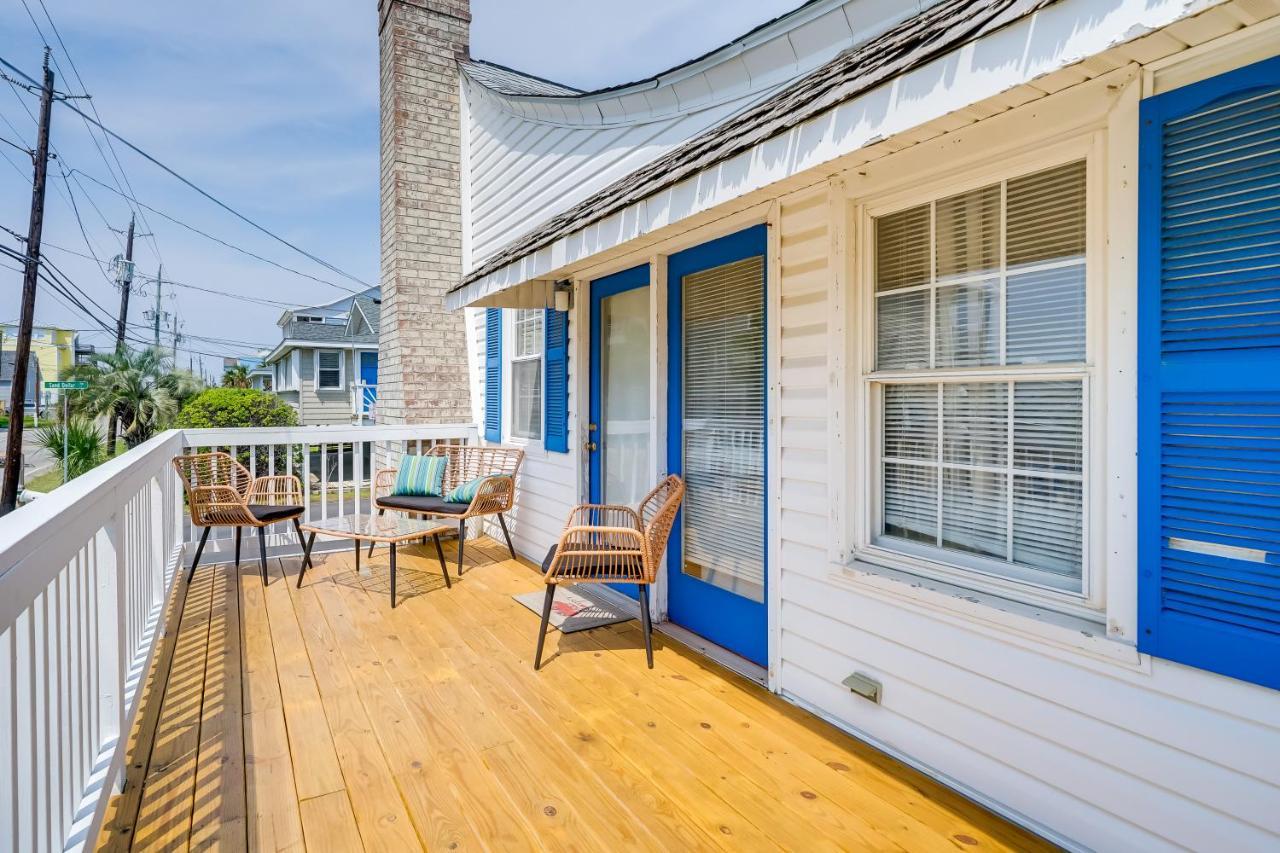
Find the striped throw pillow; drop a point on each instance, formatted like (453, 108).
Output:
(466, 493)
(420, 476)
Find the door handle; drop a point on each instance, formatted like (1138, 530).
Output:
(590, 446)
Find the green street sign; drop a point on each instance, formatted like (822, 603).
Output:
(74, 385)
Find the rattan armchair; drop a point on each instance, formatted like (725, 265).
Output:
(613, 544)
(499, 465)
(222, 493)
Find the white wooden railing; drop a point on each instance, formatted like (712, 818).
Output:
(85, 576)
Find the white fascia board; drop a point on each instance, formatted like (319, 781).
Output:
(1046, 41)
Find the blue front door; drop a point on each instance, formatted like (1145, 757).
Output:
(716, 440)
(619, 427)
(368, 379)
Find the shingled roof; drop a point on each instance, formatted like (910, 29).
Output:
(938, 30)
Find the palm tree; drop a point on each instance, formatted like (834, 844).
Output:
(83, 445)
(135, 386)
(236, 376)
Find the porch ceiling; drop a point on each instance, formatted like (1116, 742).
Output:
(279, 717)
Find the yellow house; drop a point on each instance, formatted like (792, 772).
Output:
(54, 349)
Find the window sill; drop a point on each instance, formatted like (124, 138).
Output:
(1031, 627)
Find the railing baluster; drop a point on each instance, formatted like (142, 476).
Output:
(342, 452)
(324, 481)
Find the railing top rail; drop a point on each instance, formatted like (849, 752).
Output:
(320, 434)
(29, 528)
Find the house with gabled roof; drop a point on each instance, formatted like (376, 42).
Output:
(959, 320)
(326, 364)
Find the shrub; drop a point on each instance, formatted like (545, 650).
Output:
(86, 447)
(243, 407)
(236, 407)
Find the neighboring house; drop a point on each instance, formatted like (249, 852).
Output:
(35, 378)
(54, 348)
(326, 365)
(261, 375)
(961, 321)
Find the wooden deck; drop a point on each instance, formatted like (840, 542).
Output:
(319, 718)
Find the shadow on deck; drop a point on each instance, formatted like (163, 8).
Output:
(280, 718)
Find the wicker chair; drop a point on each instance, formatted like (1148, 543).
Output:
(613, 544)
(466, 463)
(222, 493)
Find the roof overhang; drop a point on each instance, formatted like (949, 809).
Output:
(996, 70)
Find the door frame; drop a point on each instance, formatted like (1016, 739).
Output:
(757, 645)
(598, 290)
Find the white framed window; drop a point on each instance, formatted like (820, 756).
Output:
(526, 373)
(977, 390)
(329, 370)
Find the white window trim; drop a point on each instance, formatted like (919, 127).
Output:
(342, 370)
(864, 479)
(509, 360)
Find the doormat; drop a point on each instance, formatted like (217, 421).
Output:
(573, 610)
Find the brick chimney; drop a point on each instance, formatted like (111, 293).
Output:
(422, 370)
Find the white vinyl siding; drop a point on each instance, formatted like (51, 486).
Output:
(526, 373)
(985, 471)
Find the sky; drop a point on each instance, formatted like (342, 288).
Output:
(272, 107)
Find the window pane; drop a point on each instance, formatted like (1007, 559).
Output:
(911, 502)
(526, 392)
(968, 233)
(1044, 310)
(1048, 426)
(975, 512)
(968, 330)
(902, 249)
(911, 421)
(902, 331)
(528, 333)
(1048, 525)
(976, 423)
(1046, 213)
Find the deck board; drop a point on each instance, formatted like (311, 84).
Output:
(318, 718)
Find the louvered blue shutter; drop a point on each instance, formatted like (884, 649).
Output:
(1209, 375)
(493, 374)
(556, 360)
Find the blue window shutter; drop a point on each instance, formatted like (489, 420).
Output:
(493, 374)
(1209, 375)
(556, 363)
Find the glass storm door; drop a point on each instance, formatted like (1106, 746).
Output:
(618, 432)
(716, 441)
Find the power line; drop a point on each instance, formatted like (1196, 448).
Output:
(258, 300)
(92, 136)
(218, 240)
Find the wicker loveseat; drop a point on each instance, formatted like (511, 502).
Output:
(499, 465)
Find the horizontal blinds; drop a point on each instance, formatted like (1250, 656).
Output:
(724, 441)
(991, 276)
(992, 469)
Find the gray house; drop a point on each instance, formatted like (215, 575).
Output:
(34, 378)
(326, 364)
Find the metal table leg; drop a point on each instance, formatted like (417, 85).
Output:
(393, 574)
(306, 557)
(444, 567)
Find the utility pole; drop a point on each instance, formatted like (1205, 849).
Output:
(124, 277)
(177, 336)
(26, 319)
(156, 318)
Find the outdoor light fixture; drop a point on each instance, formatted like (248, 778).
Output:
(563, 291)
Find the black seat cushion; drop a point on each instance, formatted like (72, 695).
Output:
(422, 503)
(267, 514)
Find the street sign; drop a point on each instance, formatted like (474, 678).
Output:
(73, 385)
